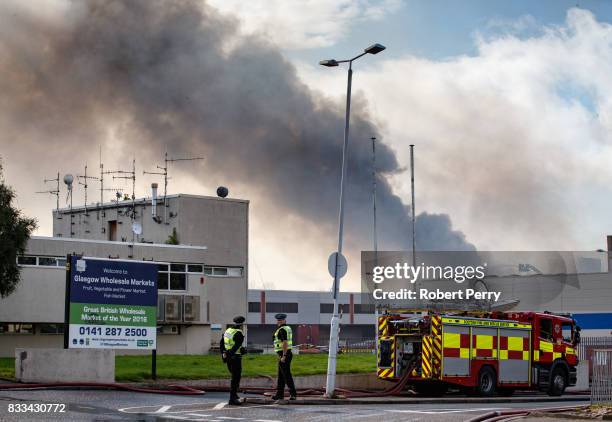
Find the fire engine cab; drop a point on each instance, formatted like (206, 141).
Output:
(488, 352)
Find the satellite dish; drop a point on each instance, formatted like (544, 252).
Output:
(137, 228)
(68, 179)
(222, 191)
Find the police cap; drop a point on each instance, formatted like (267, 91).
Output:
(280, 317)
(239, 320)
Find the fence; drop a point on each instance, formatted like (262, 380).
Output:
(601, 387)
(588, 345)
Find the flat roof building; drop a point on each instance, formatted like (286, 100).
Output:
(202, 281)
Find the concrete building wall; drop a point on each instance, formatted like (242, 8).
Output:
(39, 297)
(221, 224)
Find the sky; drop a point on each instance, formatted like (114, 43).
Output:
(507, 104)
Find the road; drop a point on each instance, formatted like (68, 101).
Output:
(111, 405)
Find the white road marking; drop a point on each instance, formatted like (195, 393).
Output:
(127, 409)
(265, 420)
(230, 418)
(220, 406)
(442, 411)
(162, 409)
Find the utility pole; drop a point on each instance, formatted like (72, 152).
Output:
(339, 260)
(413, 215)
(374, 234)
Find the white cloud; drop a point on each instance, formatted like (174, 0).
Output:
(514, 142)
(304, 24)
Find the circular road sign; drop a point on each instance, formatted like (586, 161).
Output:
(342, 265)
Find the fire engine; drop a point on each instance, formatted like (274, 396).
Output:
(485, 352)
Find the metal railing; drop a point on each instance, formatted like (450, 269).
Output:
(601, 387)
(587, 344)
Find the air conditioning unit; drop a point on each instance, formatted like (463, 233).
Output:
(191, 308)
(161, 307)
(173, 308)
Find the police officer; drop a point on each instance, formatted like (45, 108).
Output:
(283, 340)
(232, 351)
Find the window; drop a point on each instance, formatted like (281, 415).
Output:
(566, 329)
(174, 276)
(26, 260)
(546, 328)
(328, 308)
(254, 307)
(194, 268)
(11, 328)
(223, 271)
(45, 261)
(276, 307)
(177, 267)
(364, 308)
(178, 281)
(51, 328)
(234, 272)
(162, 281)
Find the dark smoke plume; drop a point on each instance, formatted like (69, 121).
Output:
(176, 75)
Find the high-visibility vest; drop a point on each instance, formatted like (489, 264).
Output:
(278, 344)
(228, 338)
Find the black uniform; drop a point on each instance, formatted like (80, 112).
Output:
(234, 362)
(284, 370)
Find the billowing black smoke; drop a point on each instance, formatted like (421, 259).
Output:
(177, 76)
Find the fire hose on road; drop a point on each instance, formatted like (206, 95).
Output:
(500, 415)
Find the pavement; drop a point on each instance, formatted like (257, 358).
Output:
(111, 405)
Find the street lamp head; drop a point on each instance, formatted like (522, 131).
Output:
(375, 49)
(329, 63)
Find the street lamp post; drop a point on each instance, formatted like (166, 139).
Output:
(335, 322)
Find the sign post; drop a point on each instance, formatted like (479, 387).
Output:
(111, 304)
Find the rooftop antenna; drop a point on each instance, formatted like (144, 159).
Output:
(125, 174)
(164, 172)
(68, 180)
(85, 185)
(55, 191)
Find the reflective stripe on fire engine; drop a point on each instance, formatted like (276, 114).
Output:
(382, 326)
(546, 352)
(456, 345)
(426, 361)
(436, 331)
(513, 348)
(484, 323)
(484, 346)
(385, 373)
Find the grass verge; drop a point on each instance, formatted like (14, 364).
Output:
(191, 367)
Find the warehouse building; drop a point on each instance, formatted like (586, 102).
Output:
(202, 280)
(310, 314)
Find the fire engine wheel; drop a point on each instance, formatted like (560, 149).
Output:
(487, 381)
(558, 381)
